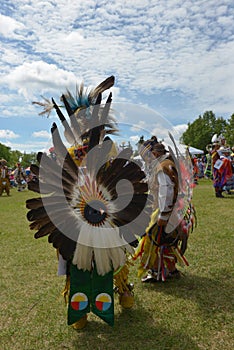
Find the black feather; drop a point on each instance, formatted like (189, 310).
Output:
(65, 245)
(133, 206)
(68, 164)
(67, 106)
(45, 230)
(106, 110)
(95, 131)
(51, 174)
(35, 203)
(104, 85)
(67, 130)
(34, 169)
(73, 115)
(102, 159)
(36, 225)
(130, 172)
(48, 167)
(33, 185)
(35, 214)
(115, 166)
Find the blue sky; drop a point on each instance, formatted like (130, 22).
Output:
(174, 57)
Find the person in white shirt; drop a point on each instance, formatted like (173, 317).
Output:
(159, 250)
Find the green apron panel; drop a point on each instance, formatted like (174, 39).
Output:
(90, 291)
(80, 291)
(102, 298)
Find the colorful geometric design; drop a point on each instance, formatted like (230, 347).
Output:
(103, 301)
(79, 301)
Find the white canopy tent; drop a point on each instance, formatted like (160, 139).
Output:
(192, 150)
(182, 148)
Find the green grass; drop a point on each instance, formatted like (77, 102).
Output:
(194, 312)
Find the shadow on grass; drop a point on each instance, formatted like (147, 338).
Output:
(212, 295)
(134, 329)
(146, 329)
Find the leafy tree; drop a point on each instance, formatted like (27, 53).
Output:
(5, 152)
(200, 132)
(229, 134)
(15, 157)
(28, 159)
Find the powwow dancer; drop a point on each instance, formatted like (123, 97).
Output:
(91, 214)
(218, 173)
(4, 178)
(165, 240)
(20, 177)
(225, 170)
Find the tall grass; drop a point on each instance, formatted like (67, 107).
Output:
(194, 312)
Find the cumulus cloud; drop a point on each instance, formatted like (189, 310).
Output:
(41, 134)
(180, 129)
(10, 28)
(28, 147)
(135, 138)
(8, 134)
(39, 75)
(174, 56)
(137, 127)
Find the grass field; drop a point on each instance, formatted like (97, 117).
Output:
(194, 312)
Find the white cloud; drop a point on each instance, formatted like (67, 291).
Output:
(8, 134)
(42, 134)
(180, 129)
(30, 77)
(154, 48)
(29, 147)
(135, 138)
(11, 57)
(9, 27)
(140, 125)
(5, 98)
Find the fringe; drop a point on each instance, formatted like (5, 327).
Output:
(65, 292)
(121, 278)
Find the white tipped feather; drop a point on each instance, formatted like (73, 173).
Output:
(83, 257)
(102, 260)
(118, 257)
(105, 236)
(104, 244)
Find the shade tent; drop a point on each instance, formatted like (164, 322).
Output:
(192, 150)
(182, 149)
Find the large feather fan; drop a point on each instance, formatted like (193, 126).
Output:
(95, 208)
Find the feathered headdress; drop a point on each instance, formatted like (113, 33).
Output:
(84, 111)
(95, 208)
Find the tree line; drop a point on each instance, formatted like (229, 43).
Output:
(200, 132)
(13, 157)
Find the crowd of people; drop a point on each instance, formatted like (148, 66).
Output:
(222, 165)
(217, 165)
(11, 178)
